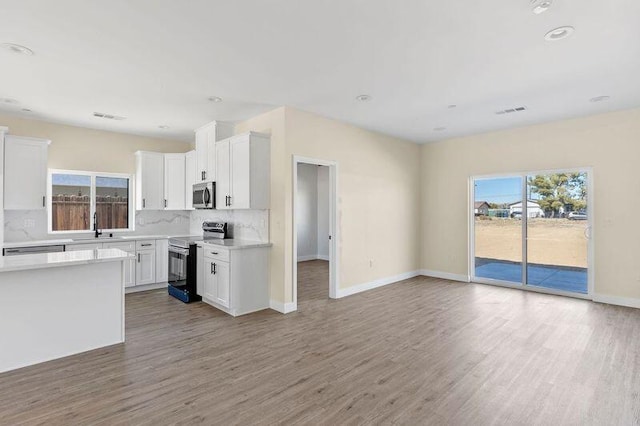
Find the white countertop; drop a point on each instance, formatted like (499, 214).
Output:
(68, 258)
(233, 244)
(70, 241)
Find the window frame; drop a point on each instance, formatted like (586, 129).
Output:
(92, 192)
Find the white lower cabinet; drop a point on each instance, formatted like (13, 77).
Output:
(130, 265)
(162, 261)
(234, 281)
(146, 266)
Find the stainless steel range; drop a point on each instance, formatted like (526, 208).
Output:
(183, 262)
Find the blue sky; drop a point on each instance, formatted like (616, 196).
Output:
(501, 190)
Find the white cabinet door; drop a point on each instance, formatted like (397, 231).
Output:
(222, 276)
(223, 175)
(162, 261)
(146, 267)
(25, 173)
(240, 159)
(130, 264)
(149, 180)
(210, 284)
(211, 154)
(202, 153)
(190, 178)
(174, 181)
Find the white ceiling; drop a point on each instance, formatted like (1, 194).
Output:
(157, 61)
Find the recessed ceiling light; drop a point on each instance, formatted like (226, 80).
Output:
(542, 7)
(600, 98)
(163, 127)
(363, 98)
(16, 48)
(215, 99)
(439, 129)
(559, 33)
(452, 106)
(8, 101)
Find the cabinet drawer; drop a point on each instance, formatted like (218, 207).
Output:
(129, 246)
(145, 245)
(215, 253)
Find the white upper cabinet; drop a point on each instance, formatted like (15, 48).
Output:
(174, 181)
(206, 137)
(243, 172)
(25, 173)
(149, 181)
(190, 178)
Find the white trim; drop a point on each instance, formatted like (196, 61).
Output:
(617, 300)
(313, 257)
(284, 308)
(359, 288)
(445, 275)
(334, 229)
(145, 287)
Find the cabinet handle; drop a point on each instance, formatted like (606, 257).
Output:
(204, 175)
(145, 245)
(44, 201)
(165, 203)
(229, 200)
(138, 257)
(144, 203)
(212, 267)
(214, 252)
(215, 269)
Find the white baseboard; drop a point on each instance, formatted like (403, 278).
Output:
(313, 257)
(359, 288)
(138, 288)
(444, 275)
(617, 300)
(284, 308)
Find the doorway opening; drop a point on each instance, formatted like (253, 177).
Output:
(533, 231)
(314, 226)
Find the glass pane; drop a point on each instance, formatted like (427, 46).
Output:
(112, 202)
(557, 231)
(70, 202)
(498, 229)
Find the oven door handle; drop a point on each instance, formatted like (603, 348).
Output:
(179, 250)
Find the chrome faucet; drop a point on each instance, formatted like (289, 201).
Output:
(95, 225)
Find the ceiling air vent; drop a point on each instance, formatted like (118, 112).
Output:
(511, 110)
(108, 116)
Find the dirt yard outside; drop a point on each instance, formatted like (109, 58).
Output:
(559, 242)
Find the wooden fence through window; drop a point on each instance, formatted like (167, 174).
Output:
(72, 212)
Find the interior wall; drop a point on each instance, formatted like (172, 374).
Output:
(323, 212)
(307, 211)
(78, 148)
(609, 143)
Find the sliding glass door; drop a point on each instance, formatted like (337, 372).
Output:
(498, 233)
(532, 230)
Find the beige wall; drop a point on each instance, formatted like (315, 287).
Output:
(77, 148)
(379, 185)
(609, 143)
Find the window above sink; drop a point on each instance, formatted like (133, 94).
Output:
(76, 196)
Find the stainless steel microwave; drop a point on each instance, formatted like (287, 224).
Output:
(204, 195)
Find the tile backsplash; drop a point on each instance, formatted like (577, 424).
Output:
(241, 224)
(31, 225)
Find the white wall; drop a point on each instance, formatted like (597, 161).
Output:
(323, 212)
(307, 211)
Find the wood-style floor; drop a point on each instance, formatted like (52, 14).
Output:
(422, 351)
